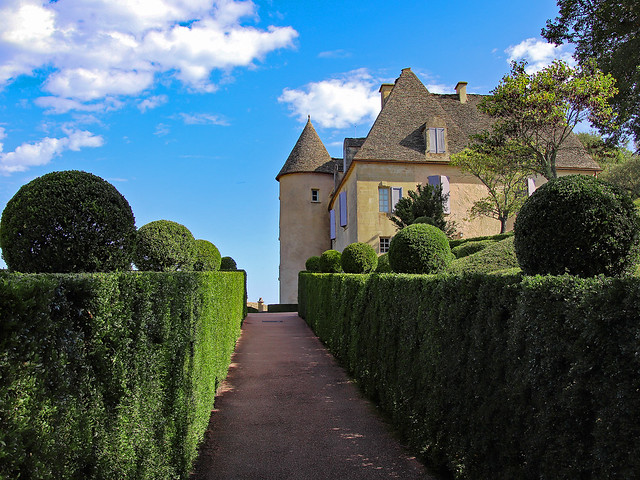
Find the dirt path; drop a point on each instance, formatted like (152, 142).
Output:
(288, 411)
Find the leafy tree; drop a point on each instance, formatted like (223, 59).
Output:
(607, 31)
(625, 176)
(502, 166)
(426, 201)
(604, 152)
(540, 110)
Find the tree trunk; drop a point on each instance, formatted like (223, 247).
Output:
(503, 224)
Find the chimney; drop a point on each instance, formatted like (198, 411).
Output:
(385, 90)
(461, 90)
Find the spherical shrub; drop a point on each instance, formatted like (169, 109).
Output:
(419, 248)
(165, 246)
(68, 221)
(577, 225)
(359, 257)
(383, 264)
(331, 262)
(207, 256)
(427, 220)
(313, 264)
(228, 263)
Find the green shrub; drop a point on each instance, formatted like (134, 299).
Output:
(359, 257)
(112, 376)
(469, 248)
(228, 263)
(165, 246)
(419, 248)
(313, 264)
(67, 221)
(427, 220)
(496, 238)
(497, 256)
(577, 225)
(331, 262)
(383, 264)
(207, 257)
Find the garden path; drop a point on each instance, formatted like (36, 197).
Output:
(288, 411)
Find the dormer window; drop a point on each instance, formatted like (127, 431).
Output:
(435, 138)
(315, 195)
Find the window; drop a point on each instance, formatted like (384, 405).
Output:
(384, 244)
(383, 199)
(388, 197)
(315, 195)
(436, 140)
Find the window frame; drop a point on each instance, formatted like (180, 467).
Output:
(383, 244)
(315, 195)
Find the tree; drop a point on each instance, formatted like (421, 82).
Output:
(625, 175)
(607, 31)
(426, 201)
(540, 110)
(502, 167)
(604, 152)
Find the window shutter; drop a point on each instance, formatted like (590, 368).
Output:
(531, 186)
(343, 209)
(434, 180)
(440, 140)
(432, 140)
(396, 194)
(332, 224)
(444, 181)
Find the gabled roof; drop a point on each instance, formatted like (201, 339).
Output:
(309, 155)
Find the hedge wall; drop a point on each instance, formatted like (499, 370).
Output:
(111, 376)
(494, 377)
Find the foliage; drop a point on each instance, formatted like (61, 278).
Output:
(493, 377)
(427, 201)
(228, 263)
(111, 376)
(359, 257)
(207, 257)
(496, 256)
(331, 262)
(604, 152)
(577, 225)
(503, 167)
(609, 32)
(540, 110)
(461, 241)
(419, 248)
(164, 246)
(67, 221)
(469, 248)
(313, 264)
(625, 176)
(383, 264)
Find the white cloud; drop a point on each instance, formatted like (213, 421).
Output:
(203, 119)
(152, 102)
(538, 54)
(336, 103)
(440, 88)
(100, 48)
(162, 129)
(40, 153)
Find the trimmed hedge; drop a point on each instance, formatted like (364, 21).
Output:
(228, 264)
(313, 264)
(470, 248)
(359, 257)
(493, 377)
(383, 264)
(496, 238)
(165, 246)
(111, 376)
(208, 257)
(331, 261)
(494, 257)
(420, 248)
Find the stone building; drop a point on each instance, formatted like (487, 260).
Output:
(332, 202)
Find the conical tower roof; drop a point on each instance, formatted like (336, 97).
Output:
(308, 155)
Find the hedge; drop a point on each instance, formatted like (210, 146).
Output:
(111, 376)
(493, 377)
(494, 257)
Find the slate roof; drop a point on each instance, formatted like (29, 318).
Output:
(309, 155)
(397, 135)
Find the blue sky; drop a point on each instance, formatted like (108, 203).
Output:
(191, 107)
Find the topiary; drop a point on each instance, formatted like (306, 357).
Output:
(313, 264)
(498, 256)
(207, 256)
(228, 263)
(331, 262)
(165, 246)
(470, 248)
(68, 221)
(419, 248)
(359, 257)
(427, 220)
(577, 225)
(383, 264)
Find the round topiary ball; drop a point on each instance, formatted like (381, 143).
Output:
(577, 225)
(420, 248)
(330, 262)
(359, 257)
(68, 221)
(228, 263)
(207, 257)
(427, 220)
(313, 264)
(165, 246)
(383, 264)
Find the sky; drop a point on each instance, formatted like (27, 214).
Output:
(191, 107)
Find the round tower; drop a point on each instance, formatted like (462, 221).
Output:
(306, 181)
